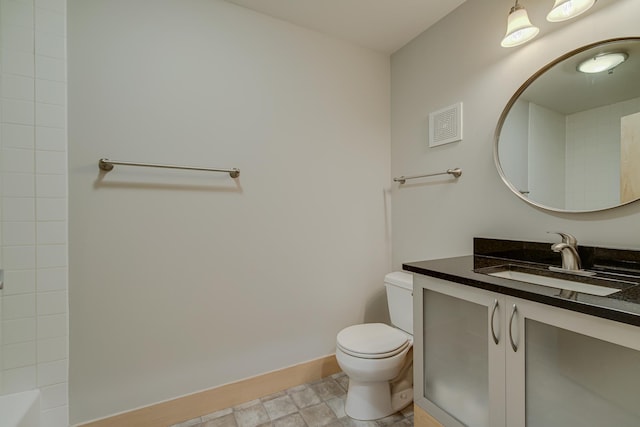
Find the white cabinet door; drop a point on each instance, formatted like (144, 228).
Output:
(459, 337)
(570, 369)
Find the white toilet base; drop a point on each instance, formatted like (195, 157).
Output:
(368, 400)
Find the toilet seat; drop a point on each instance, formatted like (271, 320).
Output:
(372, 341)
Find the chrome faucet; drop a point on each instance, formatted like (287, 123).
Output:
(570, 257)
(568, 248)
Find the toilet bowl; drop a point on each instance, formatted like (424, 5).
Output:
(378, 358)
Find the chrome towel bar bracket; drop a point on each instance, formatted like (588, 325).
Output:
(455, 172)
(107, 165)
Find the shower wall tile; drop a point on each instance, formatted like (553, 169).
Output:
(50, 115)
(51, 162)
(52, 139)
(17, 160)
(33, 203)
(50, 22)
(50, 92)
(17, 87)
(17, 37)
(18, 111)
(17, 136)
(52, 349)
(18, 185)
(15, 62)
(54, 396)
(18, 209)
(18, 233)
(52, 279)
(19, 257)
(20, 379)
(52, 232)
(51, 68)
(50, 45)
(18, 355)
(52, 373)
(52, 303)
(52, 326)
(19, 282)
(54, 5)
(51, 256)
(56, 417)
(51, 209)
(18, 14)
(18, 330)
(51, 186)
(18, 306)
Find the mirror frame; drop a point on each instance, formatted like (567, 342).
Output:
(513, 100)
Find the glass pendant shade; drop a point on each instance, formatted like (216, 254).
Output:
(604, 62)
(519, 28)
(567, 9)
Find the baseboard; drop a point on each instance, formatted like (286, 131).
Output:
(194, 405)
(422, 419)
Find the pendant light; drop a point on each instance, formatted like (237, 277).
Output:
(567, 9)
(519, 27)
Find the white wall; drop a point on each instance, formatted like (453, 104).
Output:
(546, 149)
(514, 151)
(182, 281)
(33, 190)
(593, 154)
(446, 65)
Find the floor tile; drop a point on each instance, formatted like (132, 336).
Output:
(293, 420)
(217, 414)
(223, 421)
(316, 404)
(342, 380)
(280, 406)
(190, 423)
(318, 415)
(390, 420)
(337, 406)
(305, 398)
(251, 416)
(350, 422)
(327, 389)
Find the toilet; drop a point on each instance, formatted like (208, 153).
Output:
(378, 358)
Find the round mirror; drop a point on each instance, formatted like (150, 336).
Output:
(569, 138)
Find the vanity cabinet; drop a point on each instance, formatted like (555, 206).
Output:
(484, 359)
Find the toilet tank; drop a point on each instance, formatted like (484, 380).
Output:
(400, 299)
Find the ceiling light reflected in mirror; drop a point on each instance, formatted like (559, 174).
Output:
(603, 62)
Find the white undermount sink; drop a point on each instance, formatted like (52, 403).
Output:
(553, 282)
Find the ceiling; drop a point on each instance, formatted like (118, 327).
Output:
(381, 25)
(565, 90)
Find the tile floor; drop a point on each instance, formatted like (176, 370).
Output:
(316, 404)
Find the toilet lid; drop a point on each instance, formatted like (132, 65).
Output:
(372, 340)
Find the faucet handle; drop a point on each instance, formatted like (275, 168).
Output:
(566, 238)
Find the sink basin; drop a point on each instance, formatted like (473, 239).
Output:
(575, 283)
(553, 282)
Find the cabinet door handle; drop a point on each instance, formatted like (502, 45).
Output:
(496, 340)
(513, 314)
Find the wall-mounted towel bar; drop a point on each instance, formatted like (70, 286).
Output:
(107, 165)
(455, 172)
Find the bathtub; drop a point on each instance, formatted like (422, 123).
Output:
(20, 409)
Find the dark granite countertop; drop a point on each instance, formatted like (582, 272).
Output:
(622, 306)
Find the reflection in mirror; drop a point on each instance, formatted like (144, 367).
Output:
(569, 140)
